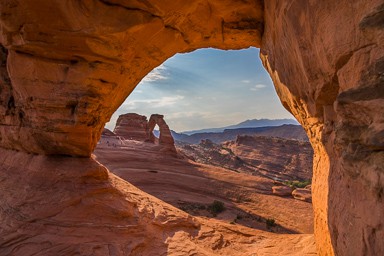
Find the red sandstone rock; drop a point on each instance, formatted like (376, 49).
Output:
(165, 139)
(132, 126)
(326, 59)
(74, 206)
(66, 66)
(107, 132)
(302, 194)
(282, 190)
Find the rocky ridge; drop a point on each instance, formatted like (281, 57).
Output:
(274, 158)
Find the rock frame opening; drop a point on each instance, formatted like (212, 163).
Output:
(67, 66)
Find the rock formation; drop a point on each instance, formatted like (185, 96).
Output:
(107, 132)
(282, 190)
(66, 66)
(326, 59)
(302, 194)
(165, 139)
(275, 158)
(132, 126)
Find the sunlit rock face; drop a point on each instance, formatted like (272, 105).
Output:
(66, 66)
(326, 59)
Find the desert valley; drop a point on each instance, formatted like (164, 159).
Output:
(251, 176)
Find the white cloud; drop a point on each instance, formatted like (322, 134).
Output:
(159, 73)
(245, 81)
(258, 87)
(163, 101)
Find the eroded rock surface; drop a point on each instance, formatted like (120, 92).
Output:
(302, 194)
(74, 206)
(67, 65)
(132, 126)
(165, 139)
(326, 59)
(282, 190)
(275, 158)
(72, 63)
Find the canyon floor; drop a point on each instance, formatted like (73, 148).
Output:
(193, 187)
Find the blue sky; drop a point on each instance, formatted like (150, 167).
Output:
(204, 89)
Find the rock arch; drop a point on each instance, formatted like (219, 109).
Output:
(67, 65)
(165, 139)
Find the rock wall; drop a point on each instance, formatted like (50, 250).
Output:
(326, 59)
(132, 126)
(66, 66)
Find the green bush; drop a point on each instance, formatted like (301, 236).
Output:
(297, 184)
(216, 207)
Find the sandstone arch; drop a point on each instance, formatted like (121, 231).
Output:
(67, 65)
(165, 138)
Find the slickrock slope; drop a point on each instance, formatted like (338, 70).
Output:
(193, 187)
(66, 66)
(75, 206)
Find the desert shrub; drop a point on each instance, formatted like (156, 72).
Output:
(297, 184)
(202, 207)
(270, 223)
(216, 207)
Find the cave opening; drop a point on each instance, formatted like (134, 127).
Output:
(261, 151)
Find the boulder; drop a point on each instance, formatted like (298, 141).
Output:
(302, 194)
(282, 190)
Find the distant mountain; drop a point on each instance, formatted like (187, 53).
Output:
(254, 123)
(286, 131)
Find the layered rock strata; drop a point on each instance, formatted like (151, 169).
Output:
(66, 66)
(132, 126)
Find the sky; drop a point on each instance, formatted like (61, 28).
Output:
(207, 88)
